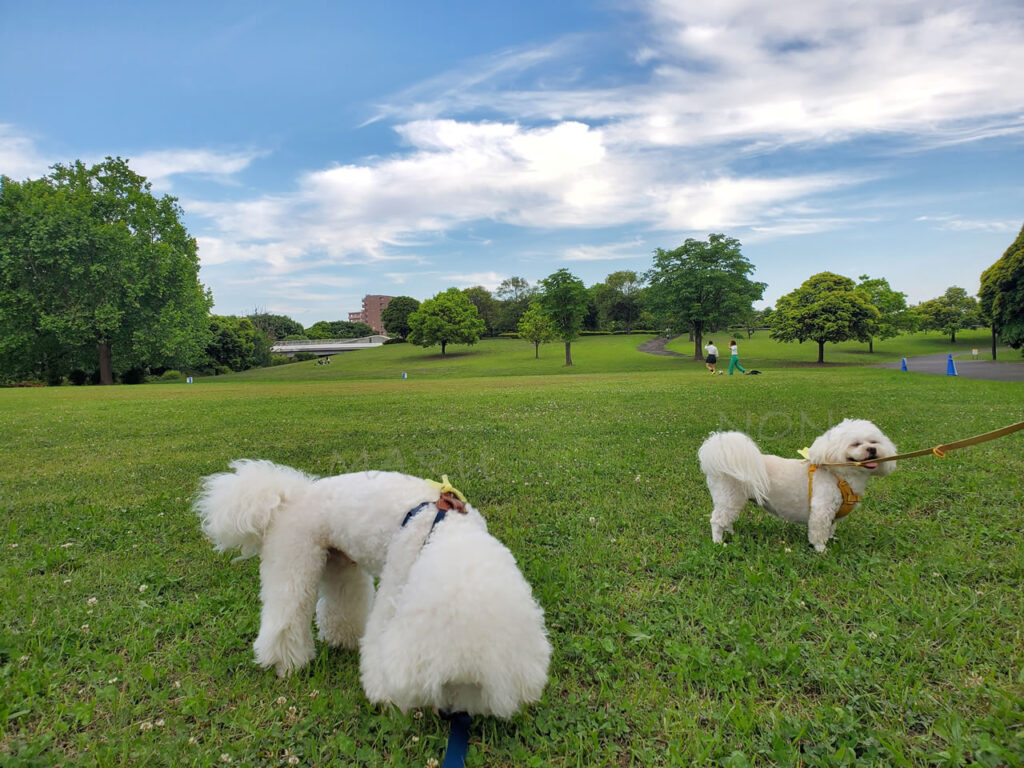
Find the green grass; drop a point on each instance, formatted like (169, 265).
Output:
(762, 352)
(902, 645)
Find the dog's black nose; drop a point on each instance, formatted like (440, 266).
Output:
(872, 451)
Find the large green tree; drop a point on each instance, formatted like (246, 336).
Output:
(338, 329)
(952, 311)
(1002, 296)
(235, 343)
(486, 305)
(91, 259)
(894, 317)
(277, 327)
(395, 316)
(448, 318)
(564, 299)
(826, 308)
(536, 328)
(702, 285)
(514, 295)
(626, 298)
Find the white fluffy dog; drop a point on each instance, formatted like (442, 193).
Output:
(790, 488)
(455, 624)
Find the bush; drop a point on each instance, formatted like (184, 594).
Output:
(301, 357)
(171, 375)
(280, 360)
(78, 377)
(395, 340)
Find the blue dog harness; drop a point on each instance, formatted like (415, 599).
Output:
(441, 514)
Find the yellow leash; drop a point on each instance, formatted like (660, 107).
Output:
(850, 499)
(938, 450)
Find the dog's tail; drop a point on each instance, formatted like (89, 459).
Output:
(734, 455)
(236, 508)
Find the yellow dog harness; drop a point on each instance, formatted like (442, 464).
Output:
(850, 499)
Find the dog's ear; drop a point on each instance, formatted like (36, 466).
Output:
(825, 450)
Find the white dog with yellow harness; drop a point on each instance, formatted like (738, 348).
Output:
(816, 491)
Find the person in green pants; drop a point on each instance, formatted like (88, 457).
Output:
(734, 360)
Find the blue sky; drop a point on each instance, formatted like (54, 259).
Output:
(325, 150)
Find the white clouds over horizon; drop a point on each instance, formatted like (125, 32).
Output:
(748, 116)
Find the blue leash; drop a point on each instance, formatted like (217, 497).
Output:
(458, 739)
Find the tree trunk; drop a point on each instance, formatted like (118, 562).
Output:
(568, 353)
(952, 337)
(443, 345)
(993, 341)
(536, 350)
(698, 344)
(106, 362)
(821, 351)
(871, 345)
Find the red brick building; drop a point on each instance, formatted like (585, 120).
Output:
(373, 305)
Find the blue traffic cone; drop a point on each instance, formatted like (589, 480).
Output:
(903, 365)
(950, 367)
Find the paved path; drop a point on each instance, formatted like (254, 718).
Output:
(934, 364)
(656, 346)
(968, 369)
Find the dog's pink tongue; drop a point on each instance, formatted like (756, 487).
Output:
(872, 465)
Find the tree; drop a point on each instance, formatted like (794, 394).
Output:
(894, 316)
(514, 296)
(277, 327)
(89, 258)
(338, 329)
(1002, 296)
(395, 316)
(448, 318)
(949, 313)
(564, 300)
(626, 289)
(485, 305)
(701, 285)
(235, 343)
(826, 308)
(536, 327)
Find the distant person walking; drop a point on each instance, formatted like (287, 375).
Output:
(734, 359)
(712, 356)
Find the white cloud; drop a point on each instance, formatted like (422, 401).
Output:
(19, 158)
(715, 84)
(958, 224)
(158, 166)
(608, 251)
(489, 280)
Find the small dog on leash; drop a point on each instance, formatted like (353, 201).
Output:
(455, 624)
(801, 491)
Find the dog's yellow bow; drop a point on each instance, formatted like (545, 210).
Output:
(445, 486)
(804, 453)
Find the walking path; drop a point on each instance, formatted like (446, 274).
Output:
(656, 346)
(968, 369)
(934, 364)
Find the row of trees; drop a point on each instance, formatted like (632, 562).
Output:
(97, 273)
(707, 285)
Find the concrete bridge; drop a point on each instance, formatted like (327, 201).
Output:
(324, 347)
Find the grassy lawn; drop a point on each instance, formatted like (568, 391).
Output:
(762, 352)
(125, 640)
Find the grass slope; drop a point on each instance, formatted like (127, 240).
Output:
(126, 639)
